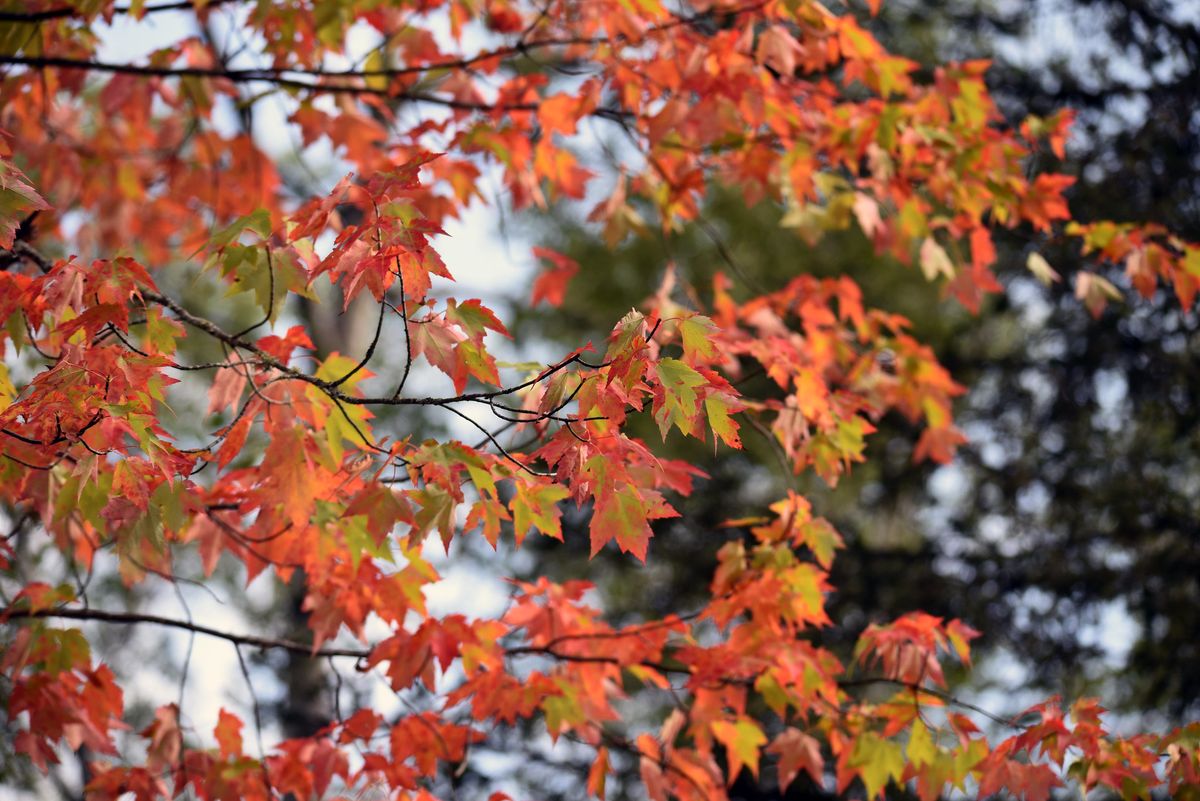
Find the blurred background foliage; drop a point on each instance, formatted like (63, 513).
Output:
(1068, 530)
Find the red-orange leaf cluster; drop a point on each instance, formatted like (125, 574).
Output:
(129, 197)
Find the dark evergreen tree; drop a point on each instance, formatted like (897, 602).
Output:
(1077, 502)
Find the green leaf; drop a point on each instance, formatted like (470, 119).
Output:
(696, 334)
(535, 505)
(168, 497)
(69, 651)
(679, 401)
(478, 362)
(564, 710)
(269, 277)
(623, 335)
(161, 331)
(805, 583)
(436, 511)
(716, 407)
(474, 317)
(343, 422)
(359, 540)
(772, 692)
(822, 539)
(258, 221)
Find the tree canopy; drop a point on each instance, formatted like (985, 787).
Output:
(134, 189)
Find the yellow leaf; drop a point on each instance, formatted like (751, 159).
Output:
(878, 760)
(696, 333)
(536, 505)
(8, 393)
(934, 261)
(921, 748)
(375, 63)
(716, 407)
(1041, 269)
(743, 741)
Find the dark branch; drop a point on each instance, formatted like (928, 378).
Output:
(134, 618)
(63, 12)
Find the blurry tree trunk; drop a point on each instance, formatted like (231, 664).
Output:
(308, 703)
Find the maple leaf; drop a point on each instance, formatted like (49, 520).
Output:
(341, 422)
(934, 261)
(621, 514)
(561, 113)
(678, 404)
(1041, 269)
(360, 726)
(598, 774)
(474, 318)
(1033, 782)
(537, 505)
(797, 751)
(228, 385)
(878, 761)
(291, 480)
(1095, 291)
(166, 739)
(437, 340)
(822, 539)
(921, 749)
(17, 201)
(551, 285)
(228, 733)
(743, 741)
(696, 333)
(717, 408)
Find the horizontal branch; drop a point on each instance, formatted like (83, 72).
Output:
(661, 667)
(62, 12)
(330, 387)
(134, 618)
(278, 77)
(307, 78)
(941, 695)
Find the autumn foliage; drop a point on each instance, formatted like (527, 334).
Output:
(116, 177)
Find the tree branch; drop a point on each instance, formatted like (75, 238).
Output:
(63, 12)
(941, 695)
(278, 76)
(134, 618)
